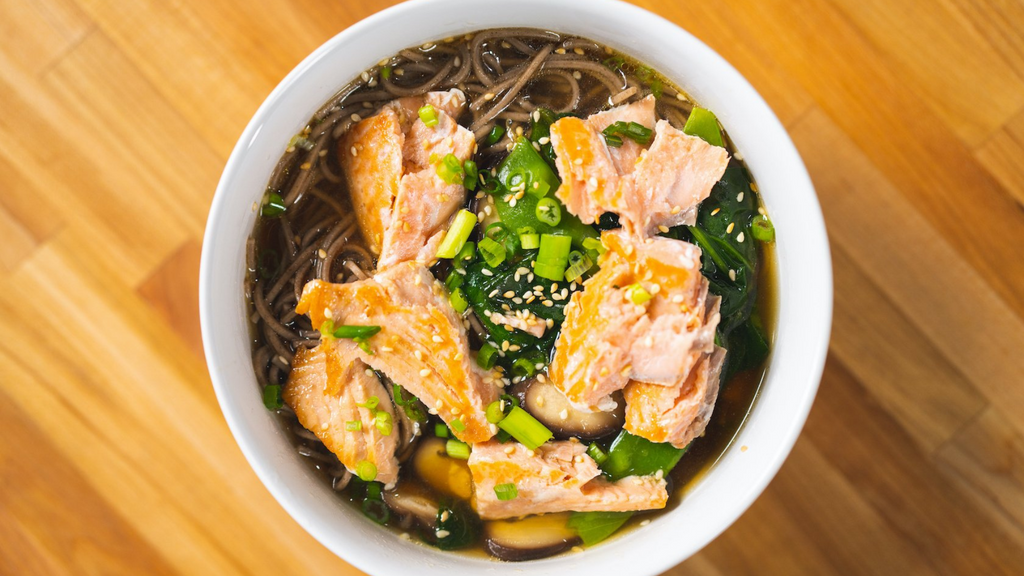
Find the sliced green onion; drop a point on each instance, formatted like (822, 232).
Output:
(371, 403)
(383, 423)
(524, 367)
(458, 300)
(456, 236)
(529, 241)
(457, 425)
(492, 252)
(632, 130)
(494, 412)
(366, 470)
(762, 229)
(637, 294)
(353, 425)
(548, 211)
(613, 141)
(496, 134)
(272, 397)
(428, 115)
(614, 62)
(579, 264)
(363, 345)
(373, 490)
(454, 280)
(552, 256)
(502, 436)
(506, 492)
(467, 253)
(377, 510)
(353, 331)
(301, 141)
(594, 244)
(595, 452)
(471, 174)
(703, 124)
(487, 356)
(440, 430)
(273, 206)
(525, 428)
(451, 170)
(385, 72)
(456, 449)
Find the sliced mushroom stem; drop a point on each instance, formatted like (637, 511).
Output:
(529, 538)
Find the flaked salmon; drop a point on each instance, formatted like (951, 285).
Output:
(591, 184)
(675, 175)
(422, 345)
(647, 187)
(626, 156)
(390, 163)
(676, 414)
(607, 338)
(556, 477)
(325, 388)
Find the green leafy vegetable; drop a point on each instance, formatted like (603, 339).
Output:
(273, 205)
(455, 526)
(594, 527)
(631, 455)
(703, 124)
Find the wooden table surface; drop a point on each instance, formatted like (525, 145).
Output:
(117, 117)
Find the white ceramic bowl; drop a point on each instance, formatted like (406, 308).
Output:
(805, 289)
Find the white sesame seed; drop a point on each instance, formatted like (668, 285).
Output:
(356, 117)
(321, 253)
(531, 453)
(353, 151)
(732, 275)
(487, 272)
(489, 96)
(716, 211)
(365, 76)
(425, 372)
(663, 229)
(328, 314)
(437, 339)
(730, 227)
(576, 74)
(444, 516)
(739, 237)
(442, 533)
(493, 293)
(564, 414)
(645, 522)
(739, 197)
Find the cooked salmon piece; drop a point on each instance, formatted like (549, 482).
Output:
(676, 414)
(370, 154)
(422, 345)
(680, 412)
(591, 184)
(556, 477)
(675, 175)
(642, 112)
(390, 163)
(647, 187)
(325, 389)
(606, 339)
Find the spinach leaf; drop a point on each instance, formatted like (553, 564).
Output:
(730, 264)
(487, 294)
(456, 526)
(594, 527)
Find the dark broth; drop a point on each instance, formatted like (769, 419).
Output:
(317, 237)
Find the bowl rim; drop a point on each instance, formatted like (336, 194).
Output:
(814, 354)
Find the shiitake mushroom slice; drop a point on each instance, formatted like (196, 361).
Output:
(412, 504)
(529, 538)
(446, 475)
(547, 404)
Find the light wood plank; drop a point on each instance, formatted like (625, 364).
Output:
(1002, 155)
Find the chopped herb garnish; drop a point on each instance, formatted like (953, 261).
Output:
(383, 423)
(272, 397)
(353, 425)
(632, 130)
(457, 425)
(486, 356)
(525, 428)
(762, 229)
(428, 115)
(637, 294)
(371, 403)
(440, 430)
(456, 236)
(273, 205)
(506, 492)
(549, 211)
(496, 134)
(456, 449)
(366, 470)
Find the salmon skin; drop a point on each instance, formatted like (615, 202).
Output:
(608, 340)
(556, 477)
(648, 188)
(325, 389)
(390, 164)
(422, 345)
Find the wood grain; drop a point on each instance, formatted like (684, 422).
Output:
(117, 117)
